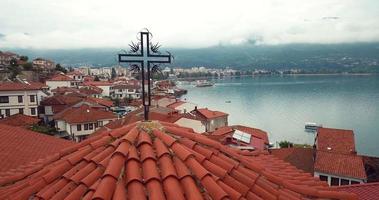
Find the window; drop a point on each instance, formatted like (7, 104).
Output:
(335, 181)
(90, 126)
(79, 127)
(354, 182)
(241, 136)
(85, 126)
(21, 110)
(323, 178)
(100, 123)
(344, 181)
(33, 111)
(4, 99)
(7, 112)
(20, 100)
(96, 125)
(32, 98)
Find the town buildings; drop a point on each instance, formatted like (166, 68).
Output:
(61, 80)
(336, 159)
(79, 121)
(211, 119)
(122, 91)
(44, 64)
(23, 98)
(5, 59)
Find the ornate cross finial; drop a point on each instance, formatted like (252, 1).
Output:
(144, 54)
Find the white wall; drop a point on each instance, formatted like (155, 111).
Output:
(54, 84)
(196, 125)
(317, 174)
(26, 104)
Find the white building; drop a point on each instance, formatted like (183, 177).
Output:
(79, 122)
(61, 80)
(104, 85)
(21, 98)
(76, 75)
(125, 91)
(182, 106)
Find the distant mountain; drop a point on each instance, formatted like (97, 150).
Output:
(355, 56)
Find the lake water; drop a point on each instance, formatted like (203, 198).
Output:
(281, 105)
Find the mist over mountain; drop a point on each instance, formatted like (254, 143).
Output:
(356, 56)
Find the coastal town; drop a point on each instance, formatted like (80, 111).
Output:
(80, 132)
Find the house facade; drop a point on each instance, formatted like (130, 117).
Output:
(336, 159)
(5, 59)
(125, 91)
(78, 122)
(44, 64)
(211, 119)
(19, 98)
(61, 80)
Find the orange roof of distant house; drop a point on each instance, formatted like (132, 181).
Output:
(19, 146)
(104, 102)
(60, 77)
(16, 86)
(258, 133)
(347, 165)
(176, 104)
(366, 191)
(90, 90)
(302, 158)
(76, 73)
(209, 114)
(20, 120)
(158, 160)
(335, 140)
(64, 90)
(97, 83)
(84, 113)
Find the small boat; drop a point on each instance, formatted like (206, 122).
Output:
(203, 83)
(228, 101)
(312, 126)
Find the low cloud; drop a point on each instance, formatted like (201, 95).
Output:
(197, 23)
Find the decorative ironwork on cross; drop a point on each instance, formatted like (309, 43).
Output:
(145, 55)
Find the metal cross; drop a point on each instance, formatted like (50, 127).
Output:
(145, 54)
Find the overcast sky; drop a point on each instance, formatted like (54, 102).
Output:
(192, 23)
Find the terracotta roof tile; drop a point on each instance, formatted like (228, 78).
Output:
(176, 104)
(367, 191)
(150, 161)
(15, 86)
(210, 114)
(335, 140)
(84, 113)
(60, 77)
(302, 158)
(19, 147)
(20, 120)
(348, 165)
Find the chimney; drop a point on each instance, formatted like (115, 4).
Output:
(196, 108)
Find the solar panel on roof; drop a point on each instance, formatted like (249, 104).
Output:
(241, 136)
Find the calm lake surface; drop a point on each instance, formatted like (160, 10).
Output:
(281, 105)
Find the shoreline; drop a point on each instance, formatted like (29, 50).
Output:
(257, 75)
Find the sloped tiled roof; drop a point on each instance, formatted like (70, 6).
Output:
(104, 102)
(153, 160)
(84, 113)
(367, 191)
(176, 104)
(15, 86)
(20, 120)
(60, 77)
(302, 158)
(335, 140)
(347, 165)
(19, 146)
(210, 114)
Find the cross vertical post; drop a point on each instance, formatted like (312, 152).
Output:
(144, 54)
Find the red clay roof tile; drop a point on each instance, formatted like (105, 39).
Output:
(84, 113)
(170, 170)
(16, 86)
(335, 140)
(20, 120)
(367, 191)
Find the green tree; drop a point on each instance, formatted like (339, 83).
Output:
(113, 74)
(58, 67)
(285, 144)
(13, 69)
(24, 58)
(27, 66)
